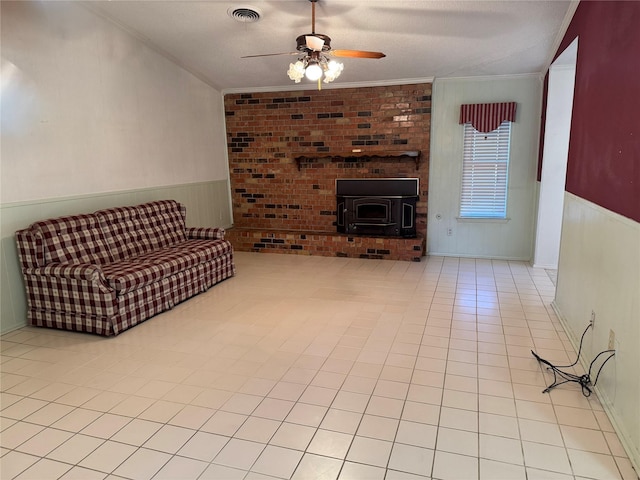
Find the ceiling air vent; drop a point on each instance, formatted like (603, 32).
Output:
(244, 14)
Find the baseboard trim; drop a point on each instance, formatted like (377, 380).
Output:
(546, 267)
(484, 257)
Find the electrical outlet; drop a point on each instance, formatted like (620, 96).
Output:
(593, 319)
(449, 231)
(612, 340)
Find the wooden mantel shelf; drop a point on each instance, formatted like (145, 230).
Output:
(371, 154)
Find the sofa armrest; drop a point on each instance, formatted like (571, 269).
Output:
(82, 273)
(75, 271)
(205, 233)
(30, 248)
(78, 288)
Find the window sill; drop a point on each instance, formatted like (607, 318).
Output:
(483, 220)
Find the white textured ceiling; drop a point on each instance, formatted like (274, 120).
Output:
(422, 39)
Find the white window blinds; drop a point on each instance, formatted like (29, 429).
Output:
(485, 172)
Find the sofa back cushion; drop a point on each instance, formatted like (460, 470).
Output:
(125, 231)
(165, 222)
(73, 239)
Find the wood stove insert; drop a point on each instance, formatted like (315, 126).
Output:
(377, 206)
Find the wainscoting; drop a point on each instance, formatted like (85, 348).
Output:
(599, 271)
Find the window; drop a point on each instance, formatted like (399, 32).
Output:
(485, 172)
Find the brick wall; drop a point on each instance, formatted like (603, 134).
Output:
(266, 131)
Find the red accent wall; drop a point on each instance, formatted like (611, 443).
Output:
(604, 148)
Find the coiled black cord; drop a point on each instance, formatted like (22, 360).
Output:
(583, 380)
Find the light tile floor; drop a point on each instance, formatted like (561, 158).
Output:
(314, 368)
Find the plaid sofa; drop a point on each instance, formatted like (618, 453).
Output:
(110, 270)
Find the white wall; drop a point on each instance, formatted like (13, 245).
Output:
(93, 118)
(496, 239)
(599, 270)
(87, 108)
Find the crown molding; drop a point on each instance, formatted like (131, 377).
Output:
(488, 78)
(332, 86)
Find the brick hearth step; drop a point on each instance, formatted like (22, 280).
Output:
(326, 244)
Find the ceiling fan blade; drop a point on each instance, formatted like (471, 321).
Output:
(314, 43)
(355, 54)
(271, 54)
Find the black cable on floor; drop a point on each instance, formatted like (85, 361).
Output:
(583, 380)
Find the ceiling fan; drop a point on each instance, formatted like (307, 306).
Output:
(313, 50)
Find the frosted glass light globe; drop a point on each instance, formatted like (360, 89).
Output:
(334, 69)
(296, 71)
(313, 72)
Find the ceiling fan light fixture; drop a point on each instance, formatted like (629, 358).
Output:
(313, 49)
(315, 67)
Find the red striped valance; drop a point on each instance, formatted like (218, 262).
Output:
(486, 117)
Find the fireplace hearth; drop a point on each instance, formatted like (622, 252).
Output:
(377, 206)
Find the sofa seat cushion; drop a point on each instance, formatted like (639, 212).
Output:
(133, 273)
(128, 275)
(206, 250)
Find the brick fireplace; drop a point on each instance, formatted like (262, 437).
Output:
(286, 150)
